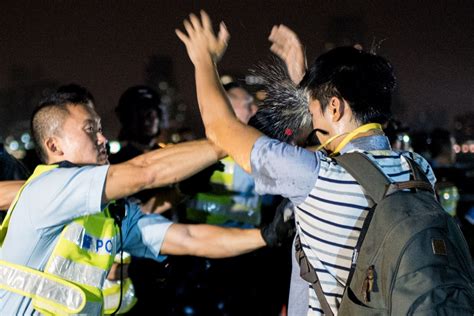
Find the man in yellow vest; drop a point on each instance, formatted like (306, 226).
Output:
(63, 230)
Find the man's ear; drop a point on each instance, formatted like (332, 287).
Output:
(53, 146)
(336, 108)
(253, 109)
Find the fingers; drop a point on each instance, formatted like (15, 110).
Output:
(279, 51)
(223, 35)
(189, 28)
(182, 37)
(195, 22)
(206, 21)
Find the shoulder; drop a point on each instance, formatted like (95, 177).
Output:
(68, 180)
(424, 165)
(272, 151)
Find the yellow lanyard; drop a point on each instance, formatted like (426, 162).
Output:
(361, 129)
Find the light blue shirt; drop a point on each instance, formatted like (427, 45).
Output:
(53, 200)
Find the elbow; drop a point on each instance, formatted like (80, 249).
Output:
(147, 178)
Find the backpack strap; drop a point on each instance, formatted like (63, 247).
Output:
(366, 173)
(374, 181)
(308, 274)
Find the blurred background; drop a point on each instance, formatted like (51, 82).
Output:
(108, 46)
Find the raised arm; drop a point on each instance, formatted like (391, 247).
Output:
(160, 167)
(287, 46)
(222, 126)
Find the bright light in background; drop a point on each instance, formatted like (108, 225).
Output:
(14, 145)
(114, 146)
(457, 148)
(25, 138)
(406, 138)
(226, 79)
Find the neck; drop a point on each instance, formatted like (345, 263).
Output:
(338, 142)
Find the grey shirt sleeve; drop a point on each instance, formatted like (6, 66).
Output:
(283, 169)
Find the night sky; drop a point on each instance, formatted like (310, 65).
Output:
(104, 46)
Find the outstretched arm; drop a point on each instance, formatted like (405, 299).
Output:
(210, 241)
(159, 168)
(222, 126)
(287, 46)
(219, 242)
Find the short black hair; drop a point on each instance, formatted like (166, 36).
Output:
(68, 94)
(48, 116)
(366, 81)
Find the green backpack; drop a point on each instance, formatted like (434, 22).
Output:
(411, 257)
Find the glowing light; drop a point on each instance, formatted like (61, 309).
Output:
(14, 145)
(114, 147)
(446, 196)
(471, 148)
(465, 148)
(29, 145)
(226, 79)
(457, 148)
(25, 138)
(406, 138)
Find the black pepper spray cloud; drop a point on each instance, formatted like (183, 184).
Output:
(283, 114)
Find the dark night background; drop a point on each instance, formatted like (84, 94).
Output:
(105, 45)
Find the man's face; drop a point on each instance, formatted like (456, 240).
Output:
(241, 102)
(81, 138)
(147, 122)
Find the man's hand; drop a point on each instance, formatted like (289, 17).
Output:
(282, 227)
(287, 46)
(201, 43)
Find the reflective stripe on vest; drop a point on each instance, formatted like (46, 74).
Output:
(42, 288)
(112, 296)
(76, 272)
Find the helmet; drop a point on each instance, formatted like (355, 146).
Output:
(137, 97)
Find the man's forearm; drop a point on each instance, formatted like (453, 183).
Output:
(8, 190)
(181, 162)
(222, 126)
(210, 241)
(160, 168)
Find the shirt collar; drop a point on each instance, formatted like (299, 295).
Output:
(368, 143)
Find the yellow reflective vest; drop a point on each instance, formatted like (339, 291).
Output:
(74, 275)
(225, 201)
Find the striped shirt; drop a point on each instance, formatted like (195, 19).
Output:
(330, 205)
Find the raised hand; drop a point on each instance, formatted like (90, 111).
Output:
(287, 46)
(201, 43)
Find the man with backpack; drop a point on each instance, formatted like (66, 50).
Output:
(348, 94)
